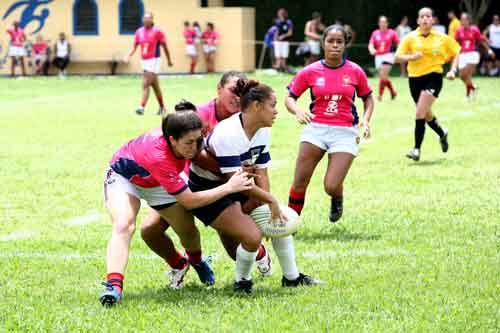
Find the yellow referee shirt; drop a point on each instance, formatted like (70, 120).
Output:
(453, 26)
(436, 49)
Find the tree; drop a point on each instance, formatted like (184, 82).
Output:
(475, 8)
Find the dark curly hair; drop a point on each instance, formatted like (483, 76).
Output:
(250, 90)
(184, 120)
(339, 28)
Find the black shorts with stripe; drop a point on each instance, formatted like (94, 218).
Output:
(431, 83)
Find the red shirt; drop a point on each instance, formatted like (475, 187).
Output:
(467, 38)
(189, 36)
(210, 37)
(17, 36)
(150, 40)
(383, 40)
(333, 90)
(40, 48)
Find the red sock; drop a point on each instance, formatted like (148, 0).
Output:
(296, 200)
(116, 280)
(470, 88)
(261, 253)
(143, 104)
(160, 101)
(381, 87)
(391, 88)
(194, 257)
(176, 260)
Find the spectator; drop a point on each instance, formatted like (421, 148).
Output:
(437, 26)
(454, 24)
(190, 38)
(41, 56)
(16, 48)
(493, 34)
(62, 50)
(349, 30)
(210, 39)
(402, 30)
(283, 36)
(313, 31)
(269, 38)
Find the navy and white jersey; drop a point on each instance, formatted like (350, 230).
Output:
(232, 149)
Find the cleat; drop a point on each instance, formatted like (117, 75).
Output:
(336, 209)
(205, 272)
(161, 112)
(110, 295)
(443, 141)
(302, 280)
(140, 111)
(414, 154)
(393, 97)
(264, 265)
(176, 276)
(243, 286)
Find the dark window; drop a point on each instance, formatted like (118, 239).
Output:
(131, 12)
(85, 18)
(204, 3)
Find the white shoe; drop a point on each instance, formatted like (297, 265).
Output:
(176, 276)
(264, 265)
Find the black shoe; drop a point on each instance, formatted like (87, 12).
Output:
(336, 209)
(302, 280)
(243, 286)
(444, 142)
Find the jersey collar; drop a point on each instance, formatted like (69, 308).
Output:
(323, 62)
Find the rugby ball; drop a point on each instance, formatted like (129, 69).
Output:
(275, 229)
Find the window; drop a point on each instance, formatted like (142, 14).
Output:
(131, 12)
(85, 18)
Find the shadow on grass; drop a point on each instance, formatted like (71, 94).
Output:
(336, 232)
(428, 163)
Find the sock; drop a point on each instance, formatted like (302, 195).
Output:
(194, 257)
(261, 252)
(469, 87)
(285, 252)
(176, 260)
(116, 280)
(244, 262)
(381, 87)
(296, 200)
(160, 101)
(391, 88)
(143, 104)
(419, 132)
(436, 127)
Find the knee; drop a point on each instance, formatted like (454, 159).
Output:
(124, 227)
(252, 239)
(152, 226)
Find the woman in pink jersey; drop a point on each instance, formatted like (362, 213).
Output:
(379, 46)
(332, 120)
(150, 39)
(16, 48)
(210, 39)
(190, 37)
(40, 53)
(150, 167)
(469, 36)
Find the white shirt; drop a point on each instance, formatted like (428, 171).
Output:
(62, 49)
(403, 31)
(439, 28)
(494, 35)
(232, 148)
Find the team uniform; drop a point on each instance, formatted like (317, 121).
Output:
(150, 41)
(282, 47)
(40, 51)
(210, 40)
(231, 147)
(147, 168)
(468, 38)
(190, 36)
(494, 39)
(334, 127)
(383, 41)
(17, 38)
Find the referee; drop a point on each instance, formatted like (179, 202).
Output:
(426, 51)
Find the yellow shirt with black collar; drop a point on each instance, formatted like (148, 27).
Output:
(436, 48)
(453, 26)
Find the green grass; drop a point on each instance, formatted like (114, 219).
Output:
(418, 248)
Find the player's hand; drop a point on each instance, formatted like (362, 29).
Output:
(170, 63)
(416, 55)
(366, 131)
(239, 182)
(450, 75)
(304, 117)
(372, 52)
(491, 54)
(126, 59)
(248, 168)
(277, 215)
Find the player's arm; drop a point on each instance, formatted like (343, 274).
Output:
(131, 53)
(368, 106)
(207, 161)
(309, 33)
(303, 117)
(167, 54)
(404, 54)
(371, 48)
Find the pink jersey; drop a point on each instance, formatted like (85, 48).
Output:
(332, 91)
(189, 36)
(467, 38)
(40, 48)
(383, 40)
(210, 37)
(148, 161)
(150, 41)
(208, 116)
(17, 36)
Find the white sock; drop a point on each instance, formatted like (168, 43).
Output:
(286, 255)
(244, 262)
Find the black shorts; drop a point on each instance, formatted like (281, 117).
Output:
(208, 214)
(431, 83)
(496, 50)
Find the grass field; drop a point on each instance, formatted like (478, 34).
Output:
(418, 248)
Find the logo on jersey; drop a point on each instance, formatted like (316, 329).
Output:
(333, 105)
(255, 154)
(346, 80)
(320, 81)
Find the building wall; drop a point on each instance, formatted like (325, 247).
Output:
(236, 27)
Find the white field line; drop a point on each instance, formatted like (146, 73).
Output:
(18, 235)
(391, 252)
(90, 217)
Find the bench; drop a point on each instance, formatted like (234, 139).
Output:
(112, 60)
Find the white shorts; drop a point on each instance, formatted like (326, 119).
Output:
(281, 49)
(332, 139)
(151, 65)
(191, 50)
(17, 51)
(209, 48)
(384, 59)
(41, 57)
(154, 196)
(314, 47)
(468, 58)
